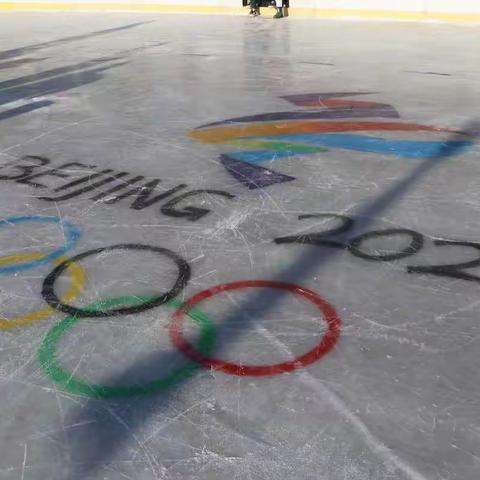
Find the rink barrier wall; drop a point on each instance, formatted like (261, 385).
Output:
(413, 10)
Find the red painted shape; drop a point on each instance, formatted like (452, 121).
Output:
(332, 100)
(326, 343)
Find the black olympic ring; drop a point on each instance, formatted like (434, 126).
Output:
(48, 288)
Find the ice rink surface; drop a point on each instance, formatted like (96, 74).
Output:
(311, 189)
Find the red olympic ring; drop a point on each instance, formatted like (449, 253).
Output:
(326, 344)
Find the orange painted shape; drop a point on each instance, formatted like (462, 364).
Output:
(225, 134)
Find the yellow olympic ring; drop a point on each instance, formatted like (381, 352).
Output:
(7, 260)
(78, 281)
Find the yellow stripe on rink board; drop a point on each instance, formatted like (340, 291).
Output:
(454, 17)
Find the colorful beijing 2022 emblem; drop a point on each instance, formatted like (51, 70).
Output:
(325, 121)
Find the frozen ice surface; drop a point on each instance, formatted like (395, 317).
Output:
(102, 100)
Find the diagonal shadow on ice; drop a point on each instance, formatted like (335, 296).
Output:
(53, 73)
(29, 107)
(103, 426)
(20, 62)
(15, 52)
(71, 77)
(31, 89)
(28, 88)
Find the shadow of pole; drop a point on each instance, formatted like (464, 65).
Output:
(103, 426)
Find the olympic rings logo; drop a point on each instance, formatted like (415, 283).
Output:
(71, 234)
(12, 264)
(76, 286)
(197, 356)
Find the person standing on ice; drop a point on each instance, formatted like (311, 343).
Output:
(279, 6)
(255, 8)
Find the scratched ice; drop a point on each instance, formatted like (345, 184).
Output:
(311, 188)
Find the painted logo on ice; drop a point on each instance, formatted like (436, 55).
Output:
(326, 121)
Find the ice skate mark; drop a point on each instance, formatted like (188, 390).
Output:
(318, 63)
(242, 426)
(142, 48)
(430, 73)
(375, 444)
(197, 55)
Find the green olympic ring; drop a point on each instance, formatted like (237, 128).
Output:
(46, 354)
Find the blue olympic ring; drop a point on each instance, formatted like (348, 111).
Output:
(71, 233)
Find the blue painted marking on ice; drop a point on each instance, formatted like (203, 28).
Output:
(259, 156)
(71, 236)
(364, 143)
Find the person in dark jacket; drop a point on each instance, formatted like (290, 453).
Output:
(279, 6)
(254, 8)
